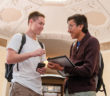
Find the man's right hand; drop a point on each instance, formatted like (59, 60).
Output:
(38, 52)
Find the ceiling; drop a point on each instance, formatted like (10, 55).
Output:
(14, 14)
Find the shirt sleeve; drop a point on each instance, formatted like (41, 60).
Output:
(15, 42)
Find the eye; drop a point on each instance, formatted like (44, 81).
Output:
(41, 23)
(70, 26)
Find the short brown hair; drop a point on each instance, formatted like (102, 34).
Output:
(34, 15)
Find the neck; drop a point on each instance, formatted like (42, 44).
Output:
(31, 34)
(81, 36)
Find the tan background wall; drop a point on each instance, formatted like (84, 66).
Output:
(2, 67)
(106, 56)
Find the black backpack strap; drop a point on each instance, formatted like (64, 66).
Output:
(102, 63)
(22, 43)
(100, 76)
(41, 44)
(103, 85)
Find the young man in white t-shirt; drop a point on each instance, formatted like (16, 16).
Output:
(27, 81)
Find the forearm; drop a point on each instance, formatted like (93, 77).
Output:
(14, 58)
(86, 69)
(79, 71)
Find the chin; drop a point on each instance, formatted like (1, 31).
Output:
(72, 37)
(39, 33)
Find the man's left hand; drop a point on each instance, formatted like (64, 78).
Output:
(41, 70)
(55, 66)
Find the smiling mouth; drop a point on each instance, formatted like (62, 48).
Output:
(71, 33)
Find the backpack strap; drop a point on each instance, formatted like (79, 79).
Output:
(104, 88)
(101, 82)
(41, 44)
(102, 66)
(23, 41)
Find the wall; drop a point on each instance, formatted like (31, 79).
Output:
(2, 68)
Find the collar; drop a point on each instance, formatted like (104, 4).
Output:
(87, 35)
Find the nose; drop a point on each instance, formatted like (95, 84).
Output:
(69, 31)
(42, 27)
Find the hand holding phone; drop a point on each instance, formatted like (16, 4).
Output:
(40, 65)
(41, 68)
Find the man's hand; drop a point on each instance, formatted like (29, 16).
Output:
(41, 70)
(55, 66)
(38, 52)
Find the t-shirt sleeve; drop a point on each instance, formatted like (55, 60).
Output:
(15, 42)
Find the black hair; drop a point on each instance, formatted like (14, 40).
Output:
(80, 20)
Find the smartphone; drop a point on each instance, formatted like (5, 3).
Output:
(40, 65)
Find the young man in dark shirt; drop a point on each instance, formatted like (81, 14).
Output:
(85, 56)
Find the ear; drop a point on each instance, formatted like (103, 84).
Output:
(81, 27)
(30, 21)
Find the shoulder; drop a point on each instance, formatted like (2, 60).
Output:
(93, 40)
(15, 42)
(93, 43)
(17, 36)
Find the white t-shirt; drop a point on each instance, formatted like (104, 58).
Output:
(27, 75)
